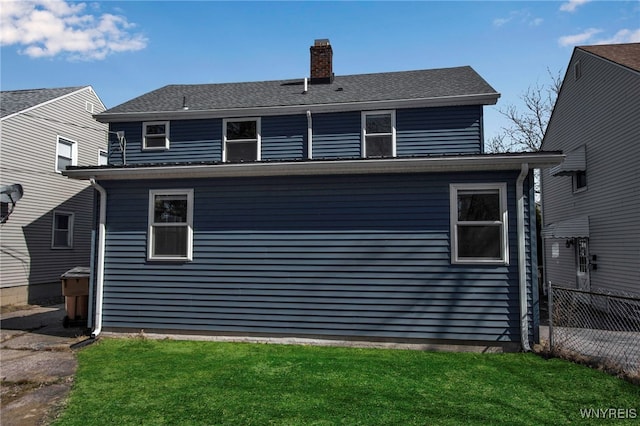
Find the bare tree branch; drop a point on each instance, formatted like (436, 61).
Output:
(525, 129)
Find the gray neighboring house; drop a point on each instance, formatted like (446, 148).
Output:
(49, 231)
(591, 201)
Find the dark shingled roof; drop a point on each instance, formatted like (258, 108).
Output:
(390, 86)
(12, 101)
(627, 54)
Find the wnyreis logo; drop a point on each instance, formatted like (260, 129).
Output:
(609, 413)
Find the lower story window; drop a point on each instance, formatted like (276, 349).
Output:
(170, 224)
(62, 230)
(479, 223)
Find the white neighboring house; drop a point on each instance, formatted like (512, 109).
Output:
(49, 230)
(591, 202)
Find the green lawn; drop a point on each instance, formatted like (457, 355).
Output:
(141, 381)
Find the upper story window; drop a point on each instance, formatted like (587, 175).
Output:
(579, 181)
(241, 140)
(62, 230)
(66, 154)
(155, 135)
(170, 234)
(479, 223)
(379, 134)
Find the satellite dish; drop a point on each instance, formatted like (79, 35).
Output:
(9, 195)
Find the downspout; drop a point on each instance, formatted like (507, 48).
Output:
(522, 263)
(100, 258)
(309, 133)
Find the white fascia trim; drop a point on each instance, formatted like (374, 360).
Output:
(484, 99)
(319, 167)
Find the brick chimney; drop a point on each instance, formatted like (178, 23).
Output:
(321, 62)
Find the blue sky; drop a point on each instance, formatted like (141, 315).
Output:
(127, 48)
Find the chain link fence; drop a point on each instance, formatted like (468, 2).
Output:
(596, 328)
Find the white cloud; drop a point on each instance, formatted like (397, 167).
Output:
(622, 36)
(572, 40)
(46, 28)
(572, 5)
(498, 22)
(589, 37)
(519, 16)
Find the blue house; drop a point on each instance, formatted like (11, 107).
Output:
(357, 207)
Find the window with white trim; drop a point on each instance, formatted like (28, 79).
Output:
(479, 223)
(62, 230)
(66, 154)
(241, 140)
(155, 135)
(379, 134)
(170, 235)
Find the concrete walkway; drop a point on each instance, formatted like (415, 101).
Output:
(37, 364)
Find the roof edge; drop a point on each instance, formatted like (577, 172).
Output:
(77, 90)
(463, 163)
(479, 99)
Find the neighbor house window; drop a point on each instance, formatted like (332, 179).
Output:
(155, 135)
(66, 154)
(170, 224)
(62, 230)
(241, 140)
(103, 157)
(579, 181)
(479, 223)
(379, 134)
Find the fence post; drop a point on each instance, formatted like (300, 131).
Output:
(550, 308)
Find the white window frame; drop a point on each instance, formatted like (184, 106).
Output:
(103, 153)
(258, 138)
(151, 224)
(166, 136)
(392, 113)
(74, 151)
(71, 217)
(503, 223)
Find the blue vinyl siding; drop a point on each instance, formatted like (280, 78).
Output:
(284, 137)
(189, 141)
(420, 131)
(337, 135)
(450, 130)
(354, 256)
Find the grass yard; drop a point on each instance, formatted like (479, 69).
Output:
(150, 382)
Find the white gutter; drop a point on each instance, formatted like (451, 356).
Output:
(309, 132)
(97, 327)
(522, 262)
